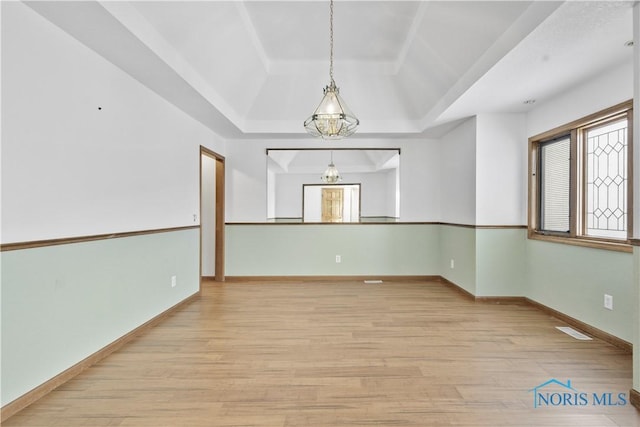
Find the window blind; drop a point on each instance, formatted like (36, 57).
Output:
(555, 185)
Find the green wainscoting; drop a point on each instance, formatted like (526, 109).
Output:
(488, 262)
(60, 304)
(500, 262)
(310, 250)
(574, 279)
(458, 244)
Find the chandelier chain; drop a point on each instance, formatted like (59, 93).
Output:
(331, 42)
(332, 119)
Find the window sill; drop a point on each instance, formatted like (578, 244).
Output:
(622, 246)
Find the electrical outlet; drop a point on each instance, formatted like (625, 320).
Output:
(174, 281)
(608, 301)
(453, 263)
(338, 259)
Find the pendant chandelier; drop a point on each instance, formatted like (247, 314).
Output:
(332, 119)
(331, 175)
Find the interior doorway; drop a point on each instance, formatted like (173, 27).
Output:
(331, 203)
(211, 215)
(332, 199)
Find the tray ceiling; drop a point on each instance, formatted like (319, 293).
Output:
(256, 69)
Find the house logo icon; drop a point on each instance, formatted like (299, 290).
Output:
(556, 393)
(562, 395)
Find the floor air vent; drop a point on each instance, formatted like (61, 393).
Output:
(572, 332)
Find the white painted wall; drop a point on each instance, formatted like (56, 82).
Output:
(271, 194)
(374, 192)
(421, 180)
(245, 180)
(458, 174)
(131, 165)
(393, 189)
(288, 193)
(354, 212)
(501, 158)
(346, 206)
(313, 205)
(72, 169)
(208, 216)
(247, 172)
(289, 189)
(482, 178)
(607, 89)
(484, 183)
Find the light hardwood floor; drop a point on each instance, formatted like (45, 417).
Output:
(342, 354)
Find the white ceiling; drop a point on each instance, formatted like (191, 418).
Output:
(348, 161)
(256, 69)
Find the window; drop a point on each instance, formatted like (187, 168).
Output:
(580, 182)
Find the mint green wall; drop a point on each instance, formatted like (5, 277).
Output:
(487, 262)
(459, 244)
(500, 262)
(574, 279)
(63, 303)
(306, 250)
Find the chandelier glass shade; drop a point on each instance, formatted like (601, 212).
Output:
(331, 175)
(332, 119)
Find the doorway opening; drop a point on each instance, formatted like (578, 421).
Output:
(211, 215)
(331, 203)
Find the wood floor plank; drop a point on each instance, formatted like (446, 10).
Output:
(339, 354)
